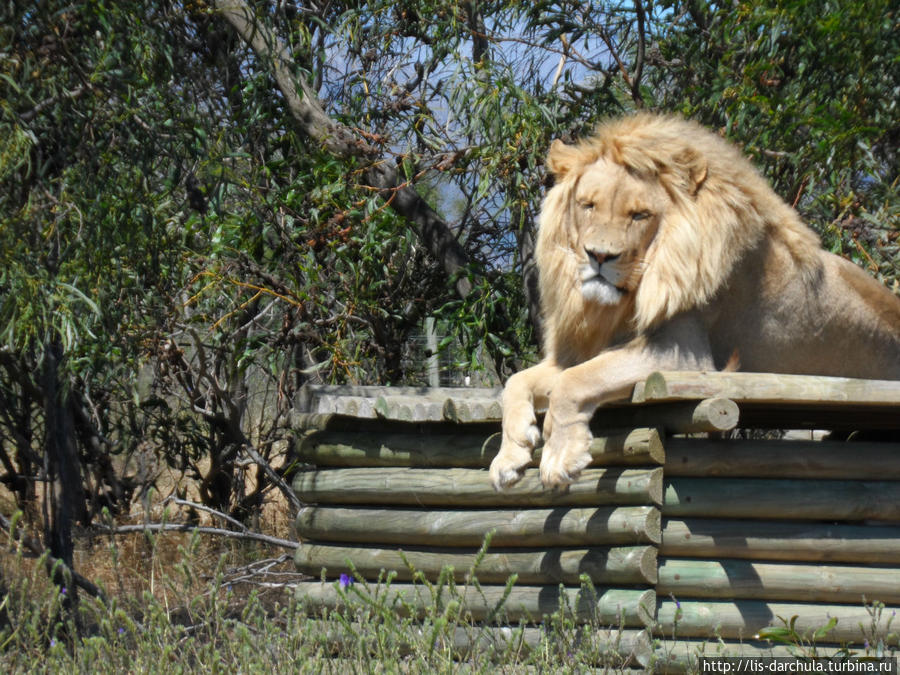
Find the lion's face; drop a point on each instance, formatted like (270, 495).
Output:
(616, 214)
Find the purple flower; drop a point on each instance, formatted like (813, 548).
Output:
(346, 580)
(121, 631)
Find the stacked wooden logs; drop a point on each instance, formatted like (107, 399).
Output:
(757, 533)
(684, 539)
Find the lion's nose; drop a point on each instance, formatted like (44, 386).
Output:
(599, 256)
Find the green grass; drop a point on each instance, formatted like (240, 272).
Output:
(193, 614)
(188, 617)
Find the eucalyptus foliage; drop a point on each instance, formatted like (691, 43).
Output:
(811, 90)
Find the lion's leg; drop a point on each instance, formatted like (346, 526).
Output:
(523, 392)
(580, 390)
(610, 376)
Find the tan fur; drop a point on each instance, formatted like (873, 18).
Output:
(660, 246)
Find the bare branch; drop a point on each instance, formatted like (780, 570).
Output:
(277, 480)
(562, 61)
(185, 527)
(172, 499)
(29, 115)
(260, 573)
(638, 69)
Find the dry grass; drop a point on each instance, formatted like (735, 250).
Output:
(179, 602)
(131, 566)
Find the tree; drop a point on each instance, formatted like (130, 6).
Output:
(81, 257)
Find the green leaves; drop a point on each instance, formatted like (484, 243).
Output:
(802, 645)
(809, 89)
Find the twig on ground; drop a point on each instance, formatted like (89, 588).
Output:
(259, 573)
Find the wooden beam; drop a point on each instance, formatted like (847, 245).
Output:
(682, 656)
(409, 408)
(528, 604)
(834, 416)
(453, 487)
(761, 498)
(308, 422)
(708, 415)
(466, 410)
(310, 394)
(614, 648)
(774, 401)
(459, 404)
(745, 618)
(355, 449)
(780, 540)
(766, 387)
(532, 527)
(782, 459)
(458, 448)
(745, 579)
(629, 565)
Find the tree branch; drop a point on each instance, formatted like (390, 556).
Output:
(186, 527)
(636, 95)
(172, 499)
(341, 141)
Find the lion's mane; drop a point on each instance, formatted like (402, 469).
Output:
(722, 210)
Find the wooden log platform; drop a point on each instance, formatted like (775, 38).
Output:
(682, 655)
(770, 388)
(700, 538)
(769, 400)
(452, 446)
(687, 417)
(402, 403)
(711, 458)
(618, 649)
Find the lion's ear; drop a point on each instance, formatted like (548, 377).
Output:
(693, 168)
(562, 158)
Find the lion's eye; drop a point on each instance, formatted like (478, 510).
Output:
(640, 215)
(588, 206)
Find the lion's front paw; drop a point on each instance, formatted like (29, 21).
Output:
(520, 436)
(565, 455)
(507, 467)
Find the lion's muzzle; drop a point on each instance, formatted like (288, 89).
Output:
(603, 277)
(601, 258)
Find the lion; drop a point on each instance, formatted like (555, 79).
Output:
(660, 247)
